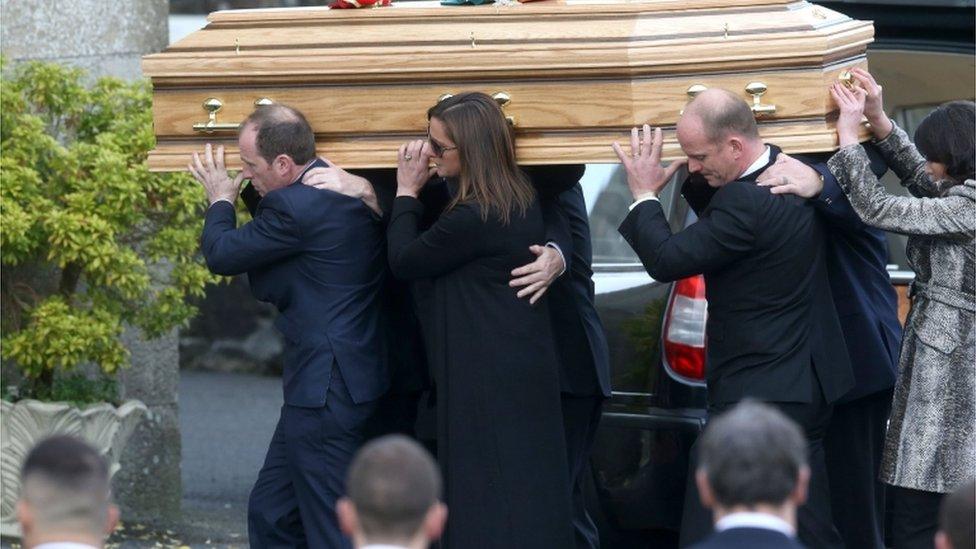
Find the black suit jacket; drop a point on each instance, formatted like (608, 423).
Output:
(749, 538)
(770, 312)
(318, 257)
(580, 340)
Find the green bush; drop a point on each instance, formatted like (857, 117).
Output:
(91, 239)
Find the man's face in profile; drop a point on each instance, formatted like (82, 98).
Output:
(262, 175)
(713, 161)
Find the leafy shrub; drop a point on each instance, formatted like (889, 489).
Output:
(91, 239)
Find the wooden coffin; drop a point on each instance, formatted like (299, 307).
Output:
(576, 74)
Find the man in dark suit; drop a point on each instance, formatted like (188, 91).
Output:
(857, 257)
(772, 330)
(564, 269)
(318, 257)
(753, 474)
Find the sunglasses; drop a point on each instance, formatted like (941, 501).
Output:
(437, 148)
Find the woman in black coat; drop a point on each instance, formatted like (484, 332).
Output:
(500, 441)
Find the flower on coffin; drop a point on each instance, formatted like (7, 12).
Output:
(346, 4)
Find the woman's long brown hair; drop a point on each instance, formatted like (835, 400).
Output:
(489, 174)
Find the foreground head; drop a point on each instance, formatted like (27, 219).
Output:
(956, 528)
(65, 494)
(472, 141)
(394, 490)
(276, 143)
(752, 458)
(718, 134)
(946, 139)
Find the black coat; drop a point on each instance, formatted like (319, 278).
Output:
(770, 312)
(500, 441)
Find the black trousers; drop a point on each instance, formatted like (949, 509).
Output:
(815, 526)
(853, 446)
(581, 416)
(914, 518)
(293, 501)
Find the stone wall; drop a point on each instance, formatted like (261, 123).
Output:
(108, 38)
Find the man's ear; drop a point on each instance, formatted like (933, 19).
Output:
(705, 492)
(348, 519)
(434, 521)
(282, 164)
(799, 495)
(111, 519)
(736, 145)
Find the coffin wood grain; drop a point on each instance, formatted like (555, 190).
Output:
(580, 74)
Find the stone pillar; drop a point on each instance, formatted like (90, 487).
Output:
(109, 38)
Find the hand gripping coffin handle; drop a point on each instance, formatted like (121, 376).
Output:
(212, 105)
(502, 98)
(756, 90)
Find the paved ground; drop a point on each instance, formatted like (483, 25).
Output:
(226, 422)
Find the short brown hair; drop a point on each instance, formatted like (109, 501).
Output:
(946, 136)
(393, 482)
(490, 175)
(282, 130)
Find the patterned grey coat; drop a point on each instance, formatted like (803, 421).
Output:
(930, 444)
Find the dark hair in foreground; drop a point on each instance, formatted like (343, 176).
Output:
(282, 130)
(946, 136)
(66, 482)
(393, 482)
(490, 175)
(752, 454)
(956, 515)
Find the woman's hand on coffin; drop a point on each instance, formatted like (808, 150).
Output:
(212, 174)
(851, 104)
(413, 167)
(645, 174)
(340, 181)
(873, 103)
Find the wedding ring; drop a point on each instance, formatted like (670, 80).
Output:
(785, 180)
(408, 157)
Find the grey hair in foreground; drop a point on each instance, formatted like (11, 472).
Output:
(752, 455)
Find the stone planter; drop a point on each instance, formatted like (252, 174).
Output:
(24, 423)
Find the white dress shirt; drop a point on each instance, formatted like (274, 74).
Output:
(755, 520)
(64, 545)
(379, 546)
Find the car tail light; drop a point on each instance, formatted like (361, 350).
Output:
(684, 330)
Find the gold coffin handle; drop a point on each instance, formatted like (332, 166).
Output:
(212, 105)
(692, 92)
(847, 79)
(756, 90)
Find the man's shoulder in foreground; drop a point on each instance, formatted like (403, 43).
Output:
(749, 538)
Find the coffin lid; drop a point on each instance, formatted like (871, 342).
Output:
(579, 74)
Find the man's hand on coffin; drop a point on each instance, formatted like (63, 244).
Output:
(212, 174)
(789, 175)
(851, 103)
(413, 167)
(645, 174)
(536, 277)
(340, 181)
(873, 104)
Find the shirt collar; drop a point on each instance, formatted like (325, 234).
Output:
(755, 520)
(382, 546)
(64, 545)
(758, 164)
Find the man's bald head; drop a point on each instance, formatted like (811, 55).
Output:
(723, 113)
(718, 134)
